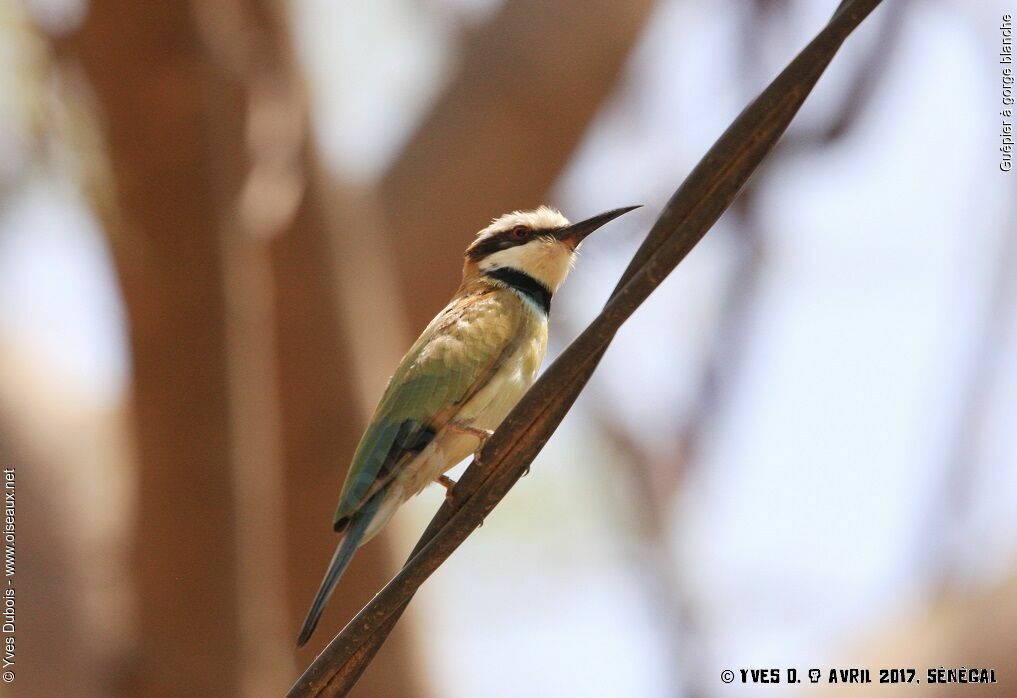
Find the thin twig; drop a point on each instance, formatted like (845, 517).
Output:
(694, 208)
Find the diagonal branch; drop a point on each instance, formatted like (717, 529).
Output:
(694, 208)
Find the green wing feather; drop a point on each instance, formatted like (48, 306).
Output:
(452, 359)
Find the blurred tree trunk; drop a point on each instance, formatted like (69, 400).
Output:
(223, 243)
(73, 602)
(166, 147)
(47, 623)
(531, 81)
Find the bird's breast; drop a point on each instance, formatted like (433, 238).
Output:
(503, 390)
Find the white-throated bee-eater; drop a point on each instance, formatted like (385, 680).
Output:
(461, 378)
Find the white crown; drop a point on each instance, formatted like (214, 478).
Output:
(541, 218)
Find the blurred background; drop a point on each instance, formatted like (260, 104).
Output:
(222, 223)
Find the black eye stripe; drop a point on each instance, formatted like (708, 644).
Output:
(500, 241)
(495, 243)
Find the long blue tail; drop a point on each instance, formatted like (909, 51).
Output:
(340, 561)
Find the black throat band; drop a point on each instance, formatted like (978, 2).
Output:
(524, 284)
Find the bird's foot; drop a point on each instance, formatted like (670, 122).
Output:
(448, 483)
(482, 435)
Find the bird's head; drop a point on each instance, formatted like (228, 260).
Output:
(540, 243)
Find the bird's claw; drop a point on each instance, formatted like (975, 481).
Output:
(481, 435)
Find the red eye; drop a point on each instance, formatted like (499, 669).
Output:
(520, 231)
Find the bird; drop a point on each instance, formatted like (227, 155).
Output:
(460, 379)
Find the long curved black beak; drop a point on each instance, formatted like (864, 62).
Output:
(573, 234)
